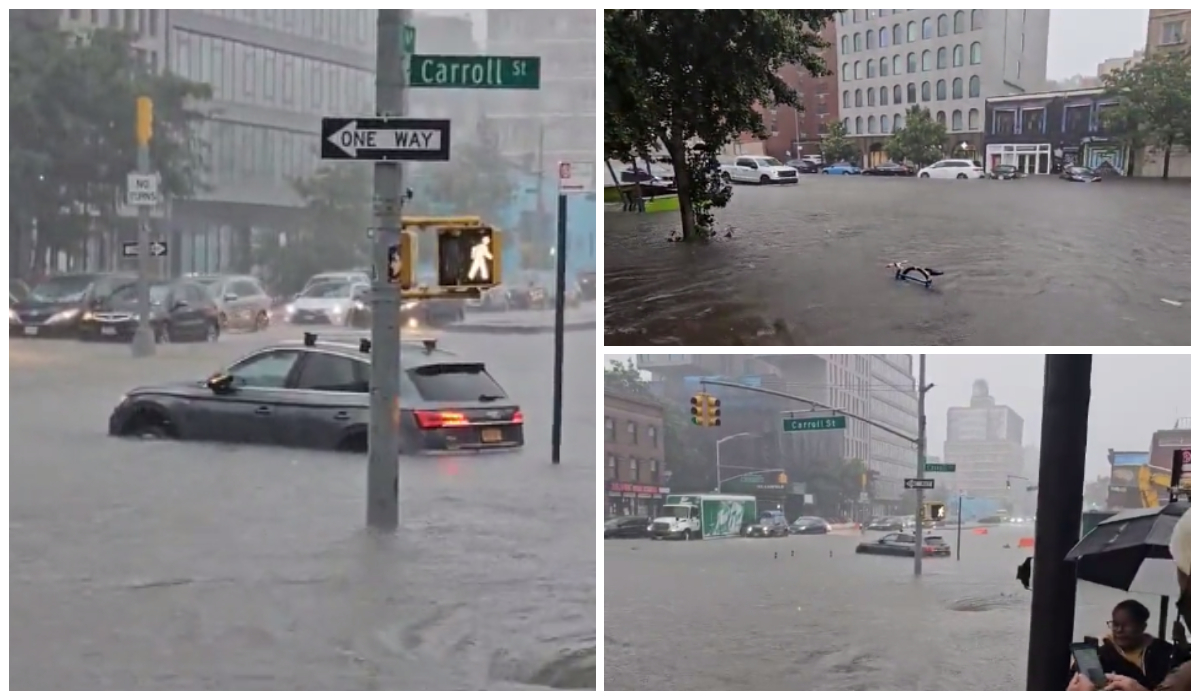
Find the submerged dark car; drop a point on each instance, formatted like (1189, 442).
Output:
(1078, 173)
(901, 544)
(809, 525)
(771, 523)
(627, 526)
(890, 169)
(316, 394)
(1006, 172)
(885, 525)
(55, 306)
(179, 311)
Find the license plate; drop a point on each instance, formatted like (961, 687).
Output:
(108, 331)
(29, 330)
(492, 435)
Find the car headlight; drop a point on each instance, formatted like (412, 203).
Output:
(289, 309)
(359, 305)
(63, 316)
(13, 317)
(336, 310)
(405, 306)
(88, 316)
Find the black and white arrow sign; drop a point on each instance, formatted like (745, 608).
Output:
(381, 138)
(129, 249)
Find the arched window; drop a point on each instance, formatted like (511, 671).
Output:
(883, 97)
(926, 60)
(846, 125)
(858, 125)
(898, 121)
(871, 126)
(870, 39)
(897, 35)
(941, 89)
(858, 70)
(941, 118)
(870, 69)
(884, 123)
(846, 98)
(897, 65)
(858, 98)
(912, 93)
(941, 58)
(842, 18)
(976, 19)
(846, 71)
(897, 95)
(960, 22)
(973, 120)
(912, 32)
(857, 41)
(870, 97)
(845, 44)
(958, 57)
(857, 16)
(973, 86)
(943, 25)
(956, 120)
(925, 91)
(956, 89)
(883, 37)
(912, 62)
(883, 67)
(926, 28)
(976, 53)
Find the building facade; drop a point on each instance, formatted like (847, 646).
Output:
(1040, 133)
(1167, 30)
(984, 441)
(634, 455)
(948, 61)
(797, 132)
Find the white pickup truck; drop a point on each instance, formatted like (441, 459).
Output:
(760, 170)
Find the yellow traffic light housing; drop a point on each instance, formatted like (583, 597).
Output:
(714, 411)
(400, 259)
(935, 512)
(144, 127)
(468, 257)
(700, 409)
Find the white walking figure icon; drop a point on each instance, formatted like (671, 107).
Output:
(481, 254)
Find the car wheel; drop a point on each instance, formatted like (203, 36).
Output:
(764, 180)
(213, 332)
(148, 425)
(961, 176)
(687, 535)
(925, 175)
(261, 321)
(223, 320)
(726, 177)
(163, 333)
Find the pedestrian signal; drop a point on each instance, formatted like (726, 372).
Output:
(935, 511)
(468, 256)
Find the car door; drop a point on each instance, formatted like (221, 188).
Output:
(186, 311)
(251, 411)
(331, 397)
(248, 301)
(745, 170)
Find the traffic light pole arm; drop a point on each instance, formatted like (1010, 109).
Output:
(760, 471)
(780, 394)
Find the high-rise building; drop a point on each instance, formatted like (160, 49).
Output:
(983, 440)
(948, 61)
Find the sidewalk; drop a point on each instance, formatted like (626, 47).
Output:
(580, 318)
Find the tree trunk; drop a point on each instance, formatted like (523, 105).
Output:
(683, 184)
(1167, 160)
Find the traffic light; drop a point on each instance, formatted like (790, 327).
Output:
(935, 512)
(400, 257)
(700, 409)
(714, 412)
(468, 256)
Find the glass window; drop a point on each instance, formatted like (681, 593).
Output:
(976, 53)
(927, 60)
(270, 76)
(871, 126)
(217, 55)
(897, 121)
(941, 118)
(858, 74)
(897, 35)
(858, 42)
(858, 98)
(870, 39)
(316, 79)
(266, 369)
(943, 25)
(941, 58)
(941, 89)
(288, 81)
(884, 37)
(870, 69)
(845, 98)
(958, 55)
(885, 124)
(973, 120)
(927, 28)
(205, 68)
(323, 371)
(897, 65)
(912, 32)
(883, 97)
(454, 382)
(973, 86)
(846, 125)
(897, 95)
(870, 97)
(956, 121)
(976, 19)
(858, 125)
(912, 93)
(883, 67)
(249, 72)
(845, 71)
(845, 44)
(925, 91)
(912, 62)
(857, 15)
(960, 22)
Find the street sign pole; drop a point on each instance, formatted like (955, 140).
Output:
(958, 539)
(143, 338)
(560, 302)
(383, 447)
(920, 467)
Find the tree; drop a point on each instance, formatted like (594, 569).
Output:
(687, 82)
(920, 141)
(1154, 106)
(72, 115)
(835, 147)
(481, 182)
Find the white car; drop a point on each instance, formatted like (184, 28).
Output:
(761, 170)
(953, 168)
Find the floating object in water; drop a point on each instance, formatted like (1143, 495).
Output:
(914, 273)
(1172, 302)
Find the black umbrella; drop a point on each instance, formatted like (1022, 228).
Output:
(1115, 552)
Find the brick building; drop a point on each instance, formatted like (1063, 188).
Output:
(1166, 30)
(796, 133)
(634, 457)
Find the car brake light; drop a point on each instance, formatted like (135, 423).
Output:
(928, 550)
(518, 417)
(428, 420)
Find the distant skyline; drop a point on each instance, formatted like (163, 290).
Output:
(1080, 40)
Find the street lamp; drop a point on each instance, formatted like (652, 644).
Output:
(722, 441)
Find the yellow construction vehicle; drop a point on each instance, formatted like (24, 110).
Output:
(1154, 486)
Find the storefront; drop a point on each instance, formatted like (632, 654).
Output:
(633, 499)
(1028, 158)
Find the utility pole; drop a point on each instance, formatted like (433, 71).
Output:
(560, 305)
(1066, 397)
(143, 337)
(383, 447)
(921, 391)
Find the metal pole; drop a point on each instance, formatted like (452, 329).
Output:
(958, 540)
(920, 468)
(1065, 400)
(719, 463)
(143, 338)
(560, 304)
(383, 457)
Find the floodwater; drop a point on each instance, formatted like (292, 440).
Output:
(806, 613)
(153, 566)
(1031, 262)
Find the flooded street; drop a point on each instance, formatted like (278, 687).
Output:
(1028, 262)
(154, 566)
(729, 615)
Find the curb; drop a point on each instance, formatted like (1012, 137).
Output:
(497, 329)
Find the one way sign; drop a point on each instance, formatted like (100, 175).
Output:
(129, 249)
(384, 138)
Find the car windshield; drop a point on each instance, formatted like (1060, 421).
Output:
(128, 294)
(464, 382)
(934, 540)
(768, 161)
(208, 283)
(328, 290)
(66, 288)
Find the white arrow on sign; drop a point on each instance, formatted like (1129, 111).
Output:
(351, 139)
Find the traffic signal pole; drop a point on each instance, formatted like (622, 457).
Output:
(383, 445)
(560, 293)
(920, 529)
(143, 337)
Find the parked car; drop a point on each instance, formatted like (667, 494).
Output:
(842, 169)
(351, 276)
(953, 169)
(327, 302)
(587, 285)
(771, 523)
(803, 166)
(809, 525)
(241, 300)
(1078, 173)
(890, 169)
(180, 310)
(492, 299)
(627, 526)
(762, 170)
(55, 305)
(17, 291)
(885, 525)
(1006, 172)
(901, 544)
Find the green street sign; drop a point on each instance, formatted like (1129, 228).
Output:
(493, 72)
(795, 425)
(409, 39)
(939, 467)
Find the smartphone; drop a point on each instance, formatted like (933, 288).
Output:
(1087, 660)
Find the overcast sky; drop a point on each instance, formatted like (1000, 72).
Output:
(1132, 396)
(1080, 40)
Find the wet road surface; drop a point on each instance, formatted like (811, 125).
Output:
(1028, 262)
(142, 565)
(725, 614)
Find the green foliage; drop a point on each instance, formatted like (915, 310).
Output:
(833, 483)
(480, 183)
(836, 148)
(1154, 103)
(687, 81)
(921, 141)
(72, 114)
